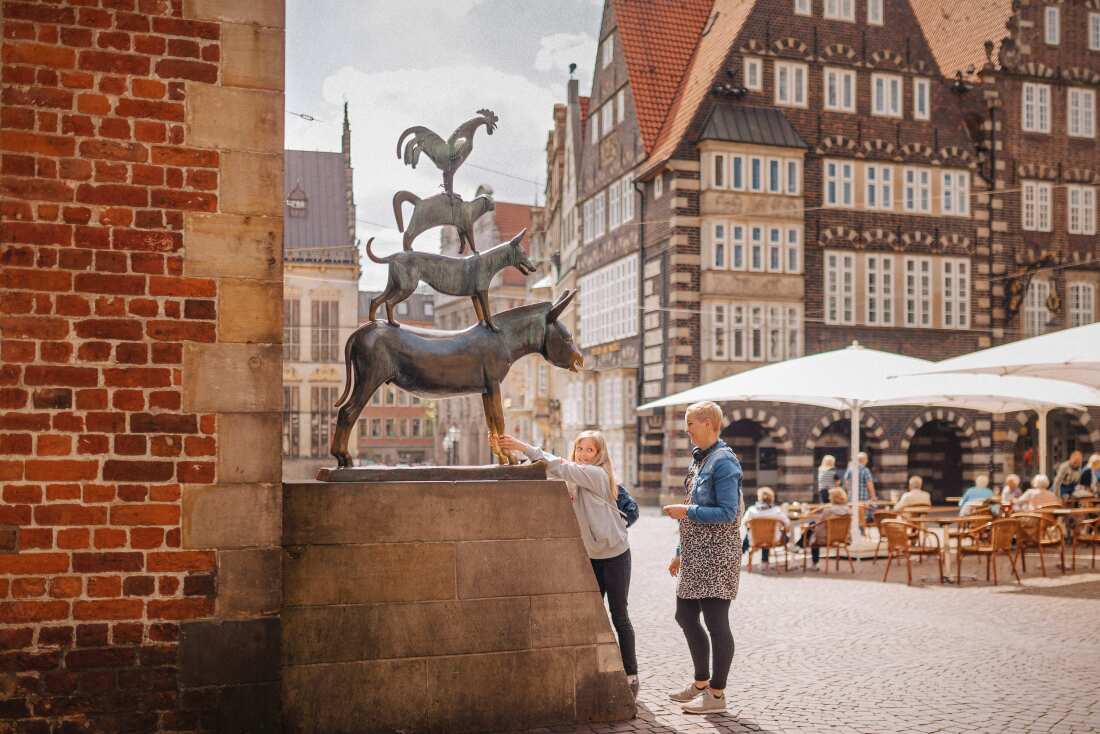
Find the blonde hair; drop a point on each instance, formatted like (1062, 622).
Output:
(1040, 481)
(982, 481)
(915, 482)
(828, 461)
(1013, 479)
(602, 460)
(766, 495)
(838, 496)
(707, 411)
(1094, 461)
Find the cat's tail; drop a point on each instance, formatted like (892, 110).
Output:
(371, 255)
(398, 199)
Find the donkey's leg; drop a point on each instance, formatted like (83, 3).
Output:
(483, 296)
(494, 420)
(363, 386)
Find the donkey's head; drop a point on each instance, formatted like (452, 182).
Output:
(558, 347)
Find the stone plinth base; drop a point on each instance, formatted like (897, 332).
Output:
(491, 472)
(442, 607)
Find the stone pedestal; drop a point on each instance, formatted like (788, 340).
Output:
(442, 607)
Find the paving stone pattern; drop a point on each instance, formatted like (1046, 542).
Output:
(834, 653)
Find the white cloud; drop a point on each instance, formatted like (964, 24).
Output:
(558, 50)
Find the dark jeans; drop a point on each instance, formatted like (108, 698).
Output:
(613, 577)
(806, 539)
(716, 615)
(745, 549)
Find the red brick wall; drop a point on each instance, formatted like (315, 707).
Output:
(95, 312)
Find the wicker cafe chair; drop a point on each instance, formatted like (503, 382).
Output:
(1087, 532)
(989, 540)
(838, 535)
(763, 532)
(966, 525)
(899, 542)
(1039, 531)
(879, 516)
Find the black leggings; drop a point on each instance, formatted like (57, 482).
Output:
(716, 614)
(745, 549)
(808, 538)
(613, 577)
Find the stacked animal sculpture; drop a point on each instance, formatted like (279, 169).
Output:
(440, 210)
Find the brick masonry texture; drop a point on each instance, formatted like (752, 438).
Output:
(97, 307)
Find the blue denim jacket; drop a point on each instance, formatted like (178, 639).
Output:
(716, 492)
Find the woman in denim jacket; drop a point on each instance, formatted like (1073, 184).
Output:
(708, 561)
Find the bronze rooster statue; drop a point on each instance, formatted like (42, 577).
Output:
(448, 154)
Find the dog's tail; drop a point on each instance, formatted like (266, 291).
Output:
(398, 199)
(347, 372)
(373, 257)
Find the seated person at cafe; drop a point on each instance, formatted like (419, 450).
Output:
(1039, 495)
(915, 496)
(973, 498)
(1068, 475)
(838, 506)
(1012, 491)
(765, 508)
(1089, 483)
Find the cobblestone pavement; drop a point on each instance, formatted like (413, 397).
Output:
(839, 653)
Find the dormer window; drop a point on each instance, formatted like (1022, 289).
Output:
(296, 201)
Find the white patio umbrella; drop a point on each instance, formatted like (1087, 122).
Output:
(1072, 355)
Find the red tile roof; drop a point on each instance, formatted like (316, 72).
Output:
(957, 31)
(510, 219)
(658, 38)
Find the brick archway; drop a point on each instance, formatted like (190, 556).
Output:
(949, 416)
(868, 423)
(772, 444)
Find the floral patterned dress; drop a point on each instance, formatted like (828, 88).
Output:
(710, 555)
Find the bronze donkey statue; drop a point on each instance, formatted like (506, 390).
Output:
(438, 364)
(438, 211)
(455, 276)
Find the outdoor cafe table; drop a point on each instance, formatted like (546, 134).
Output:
(945, 521)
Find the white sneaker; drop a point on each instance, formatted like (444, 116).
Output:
(688, 694)
(708, 704)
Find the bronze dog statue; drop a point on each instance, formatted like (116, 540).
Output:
(447, 154)
(437, 364)
(455, 276)
(440, 210)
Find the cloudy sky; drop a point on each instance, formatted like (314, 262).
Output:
(433, 63)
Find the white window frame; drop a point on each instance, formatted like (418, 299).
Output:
(886, 95)
(839, 183)
(792, 246)
(879, 284)
(840, 10)
(922, 99)
(594, 127)
(1035, 207)
(840, 287)
(955, 193)
(1094, 31)
(599, 215)
(803, 7)
(738, 170)
(1036, 316)
(775, 240)
(875, 13)
(1081, 209)
(1082, 303)
(918, 278)
(956, 292)
(738, 325)
(774, 169)
(756, 180)
(626, 191)
(1080, 112)
(792, 176)
(658, 186)
(589, 220)
(614, 204)
(840, 89)
(756, 247)
(878, 187)
(917, 190)
(1035, 112)
(718, 171)
(754, 73)
(607, 51)
(719, 332)
(1052, 25)
(607, 118)
(738, 247)
(609, 302)
(719, 247)
(790, 84)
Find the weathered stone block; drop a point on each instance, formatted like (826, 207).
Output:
(426, 511)
(523, 567)
(232, 378)
(364, 574)
(232, 246)
(251, 709)
(252, 56)
(561, 620)
(231, 515)
(381, 631)
(250, 582)
(359, 698)
(602, 691)
(261, 12)
(215, 652)
(252, 183)
(250, 311)
(253, 451)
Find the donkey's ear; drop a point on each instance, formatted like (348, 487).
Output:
(562, 303)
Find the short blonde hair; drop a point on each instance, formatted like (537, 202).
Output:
(915, 482)
(1040, 481)
(706, 411)
(1094, 461)
(828, 461)
(862, 457)
(838, 496)
(1013, 479)
(603, 458)
(766, 494)
(982, 480)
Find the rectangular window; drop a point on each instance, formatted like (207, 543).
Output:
(875, 12)
(839, 288)
(886, 95)
(607, 118)
(802, 7)
(718, 171)
(737, 173)
(291, 425)
(614, 202)
(1036, 108)
(1082, 209)
(1081, 119)
(838, 183)
(1082, 303)
(840, 10)
(626, 193)
(376, 428)
(620, 105)
(775, 176)
(794, 177)
(322, 418)
(292, 330)
(737, 247)
(775, 250)
(756, 333)
(738, 333)
(594, 127)
(608, 51)
(955, 193)
(658, 186)
(956, 293)
(840, 90)
(600, 223)
(918, 291)
(794, 250)
(1036, 314)
(1036, 206)
(756, 248)
(325, 331)
(918, 190)
(878, 187)
(718, 247)
(756, 174)
(589, 222)
(609, 302)
(754, 73)
(880, 290)
(1094, 31)
(790, 84)
(776, 342)
(719, 335)
(1053, 31)
(922, 93)
(794, 332)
